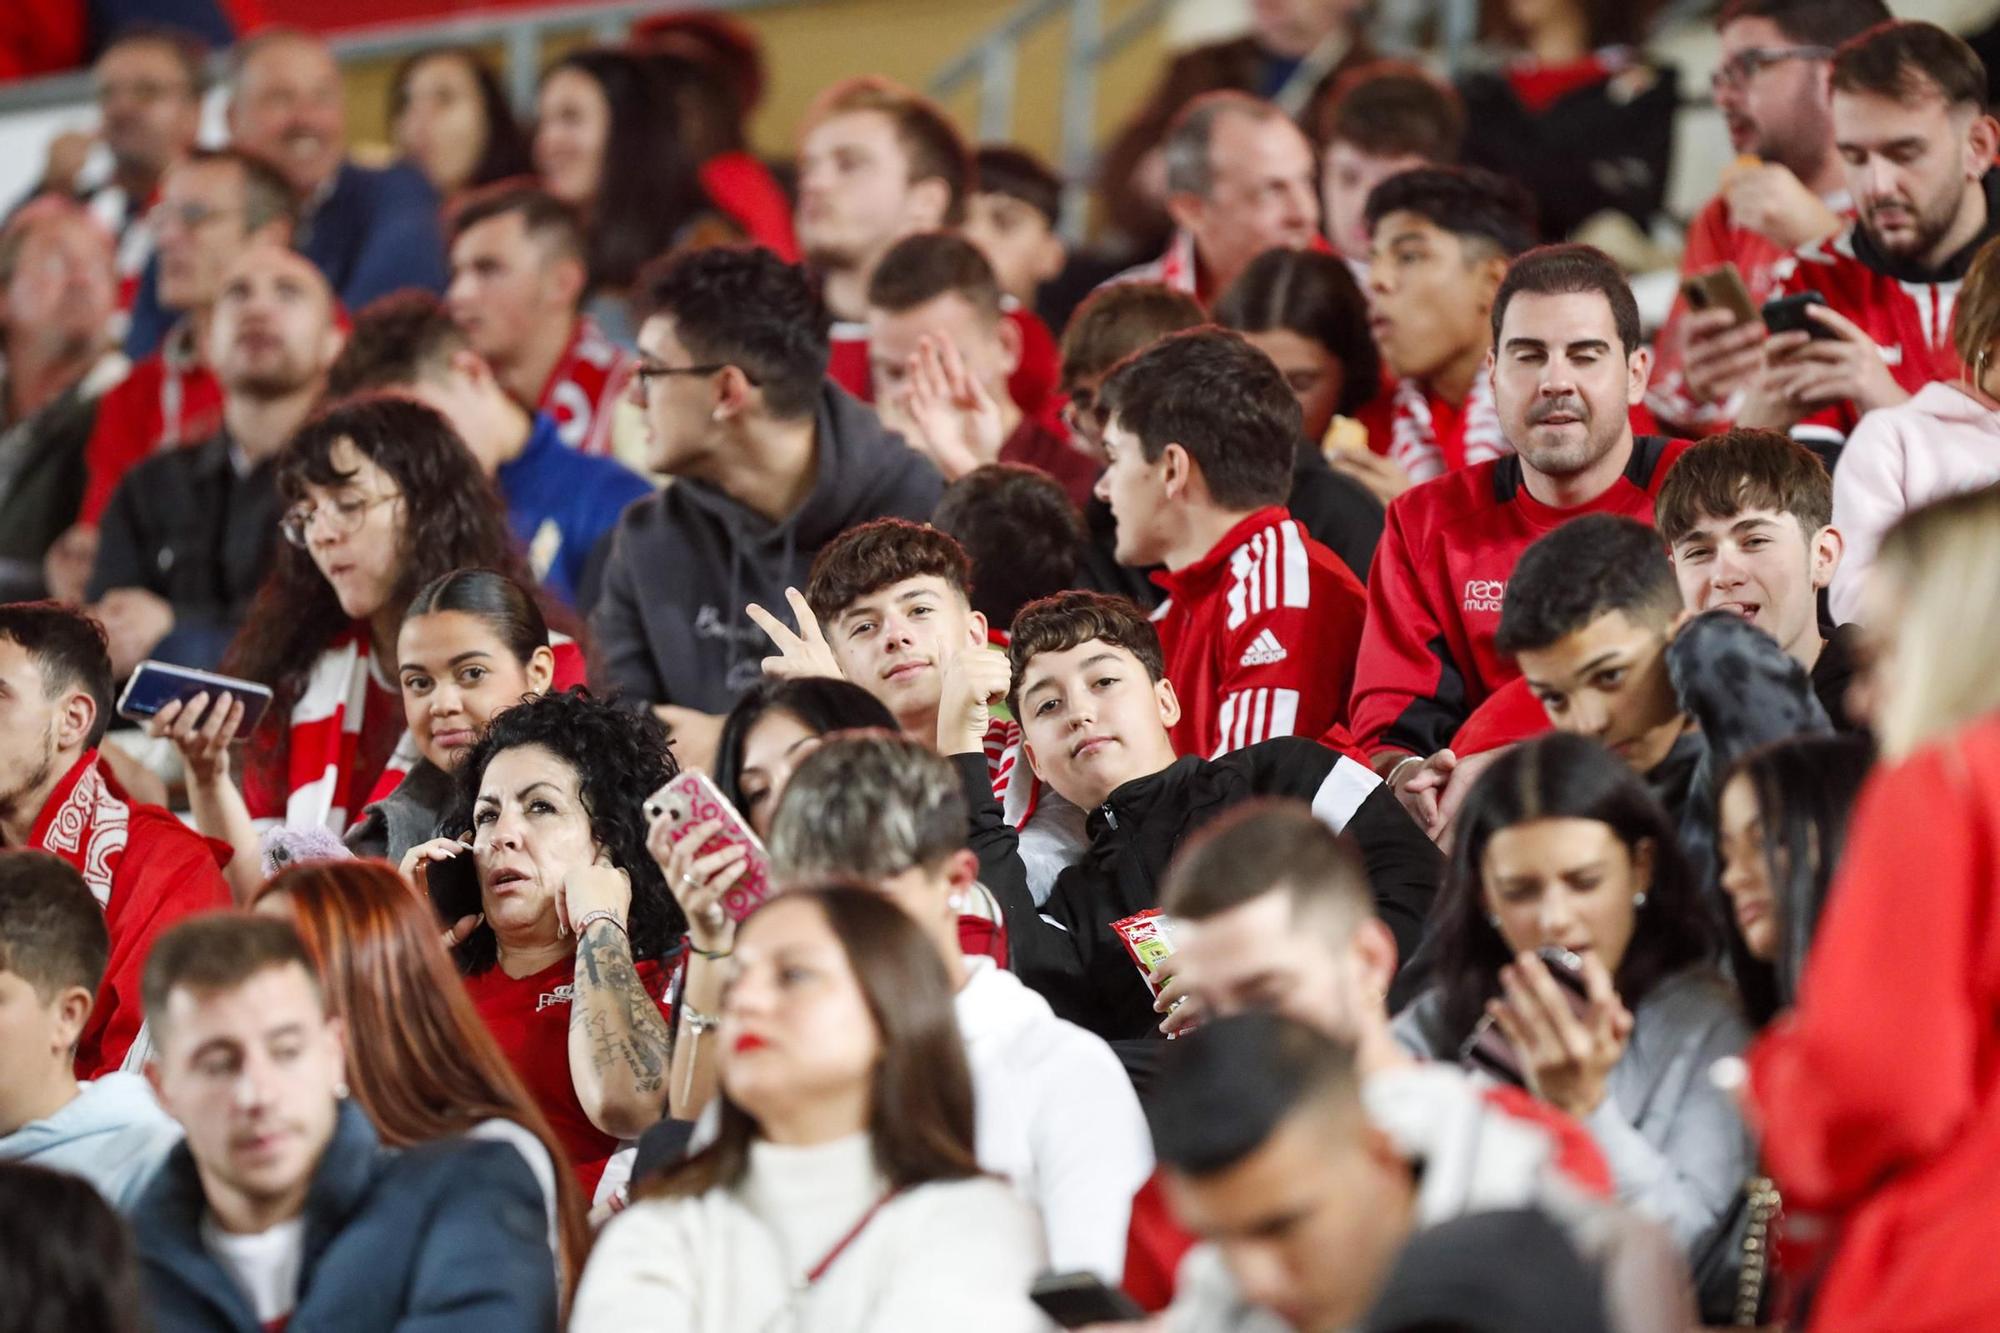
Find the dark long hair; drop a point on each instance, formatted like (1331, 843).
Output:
(648, 189)
(820, 703)
(1314, 296)
(452, 519)
(1562, 776)
(506, 606)
(507, 154)
(419, 1059)
(1805, 790)
(920, 1099)
(620, 758)
(66, 1259)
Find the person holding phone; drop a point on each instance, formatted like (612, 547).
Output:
(1561, 845)
(841, 1192)
(472, 643)
(565, 930)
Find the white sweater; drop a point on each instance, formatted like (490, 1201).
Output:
(1056, 1116)
(958, 1256)
(1939, 443)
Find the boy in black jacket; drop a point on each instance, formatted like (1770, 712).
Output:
(1094, 707)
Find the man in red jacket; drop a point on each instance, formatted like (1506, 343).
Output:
(1567, 366)
(1910, 119)
(1261, 622)
(146, 869)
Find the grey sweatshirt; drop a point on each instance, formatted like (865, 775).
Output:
(669, 623)
(1677, 1148)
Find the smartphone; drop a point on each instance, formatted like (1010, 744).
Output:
(1720, 289)
(1787, 314)
(691, 799)
(1489, 1052)
(155, 684)
(1077, 1300)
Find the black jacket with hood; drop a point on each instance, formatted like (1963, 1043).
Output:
(669, 624)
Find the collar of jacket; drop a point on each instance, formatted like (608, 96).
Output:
(1184, 581)
(1129, 806)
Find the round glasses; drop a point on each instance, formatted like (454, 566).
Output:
(343, 518)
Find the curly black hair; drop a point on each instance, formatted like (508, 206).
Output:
(620, 758)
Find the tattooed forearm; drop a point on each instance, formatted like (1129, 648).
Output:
(619, 1022)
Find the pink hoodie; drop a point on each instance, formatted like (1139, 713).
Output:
(1942, 442)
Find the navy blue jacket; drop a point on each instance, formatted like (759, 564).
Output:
(562, 506)
(445, 1237)
(376, 232)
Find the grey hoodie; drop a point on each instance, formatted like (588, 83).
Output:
(113, 1135)
(669, 625)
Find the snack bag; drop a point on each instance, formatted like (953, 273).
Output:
(1149, 937)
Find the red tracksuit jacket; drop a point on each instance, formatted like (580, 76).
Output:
(1260, 636)
(168, 399)
(1906, 312)
(1447, 550)
(1878, 1093)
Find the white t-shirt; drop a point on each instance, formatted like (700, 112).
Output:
(265, 1264)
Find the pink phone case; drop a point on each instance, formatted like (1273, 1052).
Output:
(692, 799)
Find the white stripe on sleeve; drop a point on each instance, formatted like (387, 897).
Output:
(1342, 791)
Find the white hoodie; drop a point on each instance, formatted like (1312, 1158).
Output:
(1941, 442)
(1056, 1116)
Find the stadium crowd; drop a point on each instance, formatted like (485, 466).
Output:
(600, 732)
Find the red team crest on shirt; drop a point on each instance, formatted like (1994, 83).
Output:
(583, 391)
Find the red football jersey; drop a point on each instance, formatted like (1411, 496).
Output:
(1260, 636)
(168, 399)
(1909, 320)
(1448, 548)
(529, 1017)
(583, 390)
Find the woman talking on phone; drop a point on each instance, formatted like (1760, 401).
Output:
(1560, 846)
(565, 931)
(841, 1193)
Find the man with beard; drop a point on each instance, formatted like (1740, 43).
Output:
(145, 868)
(187, 536)
(1910, 122)
(1568, 362)
(1773, 87)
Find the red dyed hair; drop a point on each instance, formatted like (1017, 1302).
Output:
(419, 1059)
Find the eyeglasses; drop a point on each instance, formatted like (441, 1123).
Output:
(645, 374)
(343, 519)
(189, 217)
(1746, 65)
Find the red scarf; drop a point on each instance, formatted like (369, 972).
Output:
(85, 821)
(583, 390)
(1416, 445)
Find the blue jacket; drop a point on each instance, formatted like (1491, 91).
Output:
(445, 1237)
(375, 232)
(562, 505)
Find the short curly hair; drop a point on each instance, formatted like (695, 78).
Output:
(619, 758)
(868, 558)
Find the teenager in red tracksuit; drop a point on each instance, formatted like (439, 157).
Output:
(1262, 622)
(1569, 366)
(1876, 1095)
(1909, 115)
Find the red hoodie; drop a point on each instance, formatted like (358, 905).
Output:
(1260, 636)
(1879, 1095)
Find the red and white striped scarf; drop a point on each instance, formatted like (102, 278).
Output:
(583, 390)
(1413, 440)
(325, 732)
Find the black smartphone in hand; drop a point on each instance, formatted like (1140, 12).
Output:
(1787, 314)
(1078, 1300)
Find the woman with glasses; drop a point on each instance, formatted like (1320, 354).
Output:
(382, 498)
